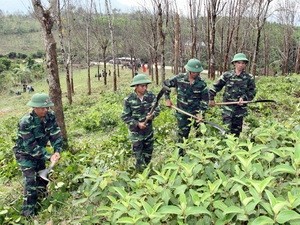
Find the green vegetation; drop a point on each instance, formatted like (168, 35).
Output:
(221, 180)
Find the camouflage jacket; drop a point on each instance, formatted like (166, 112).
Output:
(236, 86)
(135, 110)
(191, 98)
(34, 134)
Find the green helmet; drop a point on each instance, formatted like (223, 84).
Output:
(140, 79)
(194, 65)
(239, 57)
(40, 100)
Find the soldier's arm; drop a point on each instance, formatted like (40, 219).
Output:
(30, 144)
(55, 138)
(127, 115)
(217, 87)
(157, 109)
(251, 89)
(204, 98)
(172, 82)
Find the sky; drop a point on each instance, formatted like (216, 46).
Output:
(24, 6)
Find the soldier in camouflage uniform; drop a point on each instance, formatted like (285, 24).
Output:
(192, 97)
(34, 131)
(239, 86)
(136, 109)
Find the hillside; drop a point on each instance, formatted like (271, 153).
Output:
(221, 180)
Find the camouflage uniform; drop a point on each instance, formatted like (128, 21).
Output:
(30, 151)
(135, 110)
(236, 87)
(192, 98)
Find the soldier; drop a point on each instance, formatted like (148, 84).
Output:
(239, 86)
(136, 109)
(192, 97)
(34, 131)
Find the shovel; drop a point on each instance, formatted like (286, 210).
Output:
(44, 173)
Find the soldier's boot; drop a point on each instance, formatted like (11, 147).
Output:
(28, 211)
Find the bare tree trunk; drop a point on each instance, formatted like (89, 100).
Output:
(297, 64)
(162, 37)
(46, 18)
(108, 8)
(66, 58)
(213, 8)
(88, 51)
(261, 18)
(177, 44)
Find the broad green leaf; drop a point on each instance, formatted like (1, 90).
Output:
(286, 216)
(234, 209)
(120, 191)
(49, 209)
(198, 183)
(127, 220)
(277, 207)
(260, 185)
(59, 185)
(271, 198)
(79, 201)
(3, 212)
(182, 201)
(180, 189)
(284, 169)
(239, 181)
(172, 178)
(160, 179)
(148, 209)
(196, 211)
(170, 209)
(103, 184)
(166, 196)
(246, 161)
(112, 199)
(195, 197)
(213, 187)
(297, 154)
(220, 205)
(262, 220)
(120, 207)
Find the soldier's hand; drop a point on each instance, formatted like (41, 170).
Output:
(240, 101)
(149, 117)
(211, 103)
(55, 157)
(142, 125)
(200, 118)
(168, 103)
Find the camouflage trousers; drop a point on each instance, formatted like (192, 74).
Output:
(142, 150)
(234, 123)
(35, 188)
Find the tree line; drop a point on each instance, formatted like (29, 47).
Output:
(211, 30)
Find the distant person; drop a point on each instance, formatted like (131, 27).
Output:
(239, 86)
(30, 88)
(24, 87)
(34, 131)
(136, 110)
(192, 97)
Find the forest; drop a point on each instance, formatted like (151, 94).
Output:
(63, 48)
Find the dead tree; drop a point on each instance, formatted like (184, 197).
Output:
(46, 18)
